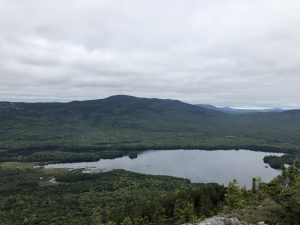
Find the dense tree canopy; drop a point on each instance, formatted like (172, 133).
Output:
(120, 197)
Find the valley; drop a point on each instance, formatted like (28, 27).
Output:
(146, 168)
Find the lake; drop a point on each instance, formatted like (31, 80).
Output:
(199, 166)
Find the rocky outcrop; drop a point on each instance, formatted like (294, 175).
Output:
(219, 221)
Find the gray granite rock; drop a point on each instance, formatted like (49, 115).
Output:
(219, 221)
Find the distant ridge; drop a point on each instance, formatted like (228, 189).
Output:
(128, 122)
(113, 104)
(231, 110)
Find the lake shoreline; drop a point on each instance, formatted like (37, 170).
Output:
(199, 166)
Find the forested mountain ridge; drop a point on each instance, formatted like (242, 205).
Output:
(108, 128)
(114, 104)
(126, 122)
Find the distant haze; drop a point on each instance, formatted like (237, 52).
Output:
(243, 54)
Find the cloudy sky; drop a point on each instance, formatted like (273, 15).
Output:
(241, 53)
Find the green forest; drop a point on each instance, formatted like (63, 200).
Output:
(34, 134)
(131, 123)
(125, 198)
(125, 125)
(149, 112)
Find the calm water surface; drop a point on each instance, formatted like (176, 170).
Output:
(201, 166)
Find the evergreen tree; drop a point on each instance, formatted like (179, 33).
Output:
(126, 221)
(159, 217)
(96, 218)
(234, 195)
(183, 212)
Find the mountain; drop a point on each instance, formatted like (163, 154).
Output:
(238, 111)
(127, 122)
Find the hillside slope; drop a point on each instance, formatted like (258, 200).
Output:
(126, 122)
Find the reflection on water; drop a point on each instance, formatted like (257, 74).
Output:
(201, 166)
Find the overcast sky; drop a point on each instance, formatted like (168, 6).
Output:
(241, 53)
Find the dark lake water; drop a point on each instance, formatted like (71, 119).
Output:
(198, 166)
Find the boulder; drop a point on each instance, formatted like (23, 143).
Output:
(219, 221)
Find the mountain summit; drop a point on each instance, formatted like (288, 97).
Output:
(123, 122)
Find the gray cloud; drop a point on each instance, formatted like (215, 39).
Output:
(238, 53)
